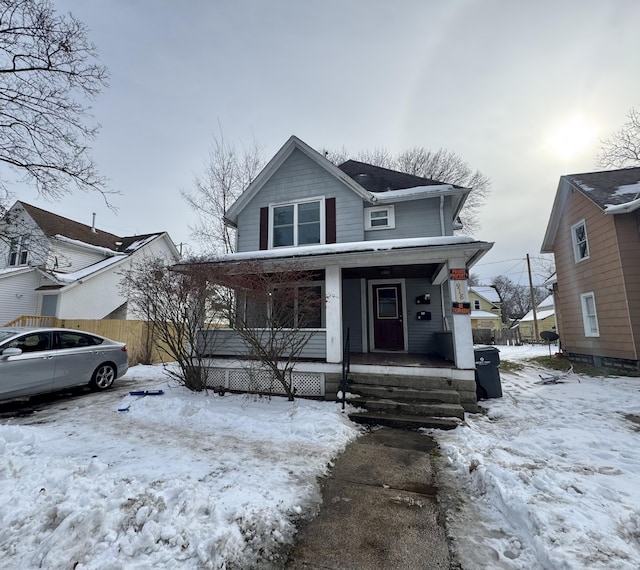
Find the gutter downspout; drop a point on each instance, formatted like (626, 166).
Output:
(441, 215)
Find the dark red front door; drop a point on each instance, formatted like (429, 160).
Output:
(388, 329)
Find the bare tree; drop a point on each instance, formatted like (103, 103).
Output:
(515, 298)
(622, 149)
(544, 267)
(442, 165)
(274, 312)
(227, 174)
(177, 306)
(48, 73)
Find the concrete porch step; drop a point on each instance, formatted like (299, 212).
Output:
(439, 409)
(403, 421)
(405, 394)
(415, 382)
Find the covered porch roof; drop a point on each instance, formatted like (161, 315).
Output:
(396, 252)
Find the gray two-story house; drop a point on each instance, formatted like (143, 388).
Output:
(392, 272)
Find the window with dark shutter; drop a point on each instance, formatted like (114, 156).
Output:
(330, 218)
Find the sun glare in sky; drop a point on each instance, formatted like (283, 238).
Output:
(572, 137)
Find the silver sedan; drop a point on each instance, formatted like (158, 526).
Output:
(40, 360)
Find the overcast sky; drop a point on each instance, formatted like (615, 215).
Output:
(491, 80)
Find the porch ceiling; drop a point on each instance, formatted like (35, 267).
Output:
(391, 271)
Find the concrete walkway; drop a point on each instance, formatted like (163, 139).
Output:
(379, 509)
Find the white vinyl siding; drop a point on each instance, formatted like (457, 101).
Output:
(579, 240)
(589, 316)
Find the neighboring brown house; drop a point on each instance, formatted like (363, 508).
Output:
(594, 233)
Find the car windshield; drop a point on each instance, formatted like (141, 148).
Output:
(4, 335)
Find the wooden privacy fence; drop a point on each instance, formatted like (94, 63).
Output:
(138, 335)
(497, 336)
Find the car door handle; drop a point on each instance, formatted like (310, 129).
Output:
(48, 357)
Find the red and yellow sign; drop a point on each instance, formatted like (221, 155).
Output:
(458, 274)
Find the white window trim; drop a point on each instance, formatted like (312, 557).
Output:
(19, 246)
(320, 199)
(585, 315)
(576, 251)
(391, 217)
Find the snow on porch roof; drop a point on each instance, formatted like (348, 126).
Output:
(348, 247)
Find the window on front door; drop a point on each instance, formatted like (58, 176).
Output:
(300, 223)
(580, 243)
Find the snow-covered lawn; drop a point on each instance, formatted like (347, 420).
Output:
(549, 478)
(180, 480)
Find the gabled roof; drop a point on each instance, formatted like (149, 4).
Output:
(64, 229)
(544, 309)
(378, 179)
(272, 166)
(612, 191)
(52, 225)
(488, 293)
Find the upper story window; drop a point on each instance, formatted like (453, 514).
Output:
(298, 223)
(380, 218)
(19, 250)
(579, 240)
(589, 316)
(476, 305)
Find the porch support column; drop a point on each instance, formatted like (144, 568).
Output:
(461, 323)
(333, 312)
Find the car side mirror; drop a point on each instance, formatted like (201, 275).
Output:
(7, 352)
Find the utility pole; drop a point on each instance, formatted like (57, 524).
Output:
(533, 302)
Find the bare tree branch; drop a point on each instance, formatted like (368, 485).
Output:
(622, 149)
(227, 174)
(48, 74)
(442, 165)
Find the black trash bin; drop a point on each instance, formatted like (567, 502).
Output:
(488, 383)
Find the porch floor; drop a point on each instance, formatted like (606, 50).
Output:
(400, 359)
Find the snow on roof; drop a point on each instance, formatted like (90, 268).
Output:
(628, 189)
(140, 243)
(9, 270)
(412, 193)
(348, 247)
(82, 273)
(483, 315)
(486, 291)
(96, 248)
(622, 208)
(540, 315)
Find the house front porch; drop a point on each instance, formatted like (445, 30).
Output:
(389, 318)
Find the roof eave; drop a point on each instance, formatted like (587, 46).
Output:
(231, 216)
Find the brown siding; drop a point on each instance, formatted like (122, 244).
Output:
(628, 231)
(601, 274)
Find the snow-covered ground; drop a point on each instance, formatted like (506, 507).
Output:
(549, 478)
(180, 480)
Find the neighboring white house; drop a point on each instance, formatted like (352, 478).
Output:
(54, 266)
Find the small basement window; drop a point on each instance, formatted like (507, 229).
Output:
(381, 218)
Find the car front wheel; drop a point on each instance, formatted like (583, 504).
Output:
(103, 377)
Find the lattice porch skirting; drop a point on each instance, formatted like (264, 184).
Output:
(263, 381)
